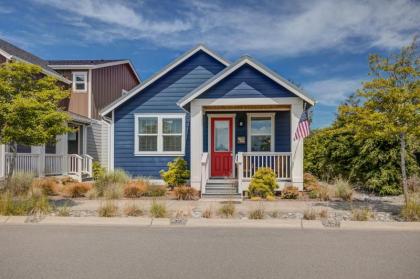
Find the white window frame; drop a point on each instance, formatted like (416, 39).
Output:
(85, 76)
(249, 130)
(160, 134)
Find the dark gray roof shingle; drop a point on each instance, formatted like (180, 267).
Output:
(82, 62)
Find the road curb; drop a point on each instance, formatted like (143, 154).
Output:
(396, 226)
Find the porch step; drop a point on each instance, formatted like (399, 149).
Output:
(222, 191)
(221, 196)
(221, 188)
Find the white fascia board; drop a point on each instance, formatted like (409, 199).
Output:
(5, 54)
(161, 73)
(234, 67)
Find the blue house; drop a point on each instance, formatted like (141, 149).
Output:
(225, 119)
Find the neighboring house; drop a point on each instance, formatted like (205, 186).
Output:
(225, 119)
(93, 85)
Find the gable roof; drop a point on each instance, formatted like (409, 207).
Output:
(256, 65)
(90, 64)
(160, 74)
(13, 52)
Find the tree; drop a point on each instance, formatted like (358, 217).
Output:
(390, 106)
(177, 173)
(30, 112)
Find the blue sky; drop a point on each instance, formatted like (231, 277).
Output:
(322, 45)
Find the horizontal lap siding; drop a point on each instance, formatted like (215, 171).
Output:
(282, 137)
(160, 97)
(246, 82)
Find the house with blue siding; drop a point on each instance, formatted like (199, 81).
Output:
(225, 119)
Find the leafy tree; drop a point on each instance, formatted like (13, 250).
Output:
(391, 103)
(30, 113)
(177, 173)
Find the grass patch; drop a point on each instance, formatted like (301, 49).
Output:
(109, 209)
(227, 210)
(158, 210)
(114, 192)
(361, 214)
(343, 189)
(110, 178)
(48, 186)
(76, 190)
(185, 193)
(132, 210)
(20, 183)
(63, 211)
(256, 214)
(309, 214)
(207, 213)
(136, 189)
(156, 191)
(24, 204)
(411, 211)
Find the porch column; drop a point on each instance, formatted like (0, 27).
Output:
(62, 150)
(2, 160)
(196, 144)
(297, 146)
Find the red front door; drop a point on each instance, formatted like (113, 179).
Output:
(221, 147)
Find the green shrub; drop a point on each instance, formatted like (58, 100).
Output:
(114, 192)
(133, 210)
(258, 213)
(411, 211)
(227, 210)
(290, 192)
(343, 189)
(97, 170)
(20, 182)
(23, 204)
(76, 190)
(263, 183)
(48, 186)
(136, 189)
(109, 209)
(157, 210)
(185, 193)
(361, 214)
(155, 191)
(270, 198)
(177, 173)
(110, 178)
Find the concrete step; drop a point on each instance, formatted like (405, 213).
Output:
(221, 196)
(221, 192)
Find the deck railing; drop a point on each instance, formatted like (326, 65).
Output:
(54, 164)
(25, 162)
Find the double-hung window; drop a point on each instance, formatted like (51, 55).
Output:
(261, 132)
(160, 134)
(79, 81)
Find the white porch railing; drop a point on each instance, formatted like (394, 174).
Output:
(26, 162)
(204, 171)
(54, 164)
(87, 164)
(75, 164)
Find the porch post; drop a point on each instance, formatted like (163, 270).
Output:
(297, 146)
(196, 144)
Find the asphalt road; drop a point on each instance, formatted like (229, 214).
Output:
(44, 251)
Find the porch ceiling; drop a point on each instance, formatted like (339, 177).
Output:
(246, 108)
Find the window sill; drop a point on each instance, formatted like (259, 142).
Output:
(159, 154)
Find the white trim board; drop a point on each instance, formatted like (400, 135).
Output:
(161, 73)
(229, 70)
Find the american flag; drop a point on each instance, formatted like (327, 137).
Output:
(302, 130)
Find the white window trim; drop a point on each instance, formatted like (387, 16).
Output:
(159, 134)
(273, 128)
(85, 74)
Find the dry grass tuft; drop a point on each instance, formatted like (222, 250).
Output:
(49, 186)
(158, 210)
(136, 189)
(109, 209)
(361, 214)
(227, 210)
(185, 193)
(133, 210)
(76, 190)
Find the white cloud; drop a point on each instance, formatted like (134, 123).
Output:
(331, 92)
(270, 27)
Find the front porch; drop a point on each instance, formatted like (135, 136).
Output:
(240, 139)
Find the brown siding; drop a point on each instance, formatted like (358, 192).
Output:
(2, 59)
(78, 101)
(108, 83)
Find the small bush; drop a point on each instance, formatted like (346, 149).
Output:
(133, 210)
(207, 213)
(23, 204)
(290, 192)
(185, 193)
(135, 189)
(177, 173)
(309, 214)
(361, 214)
(110, 178)
(76, 190)
(158, 210)
(156, 191)
(263, 183)
(227, 210)
(20, 182)
(48, 186)
(258, 213)
(110, 209)
(411, 211)
(97, 170)
(270, 198)
(114, 192)
(343, 189)
(63, 211)
(310, 182)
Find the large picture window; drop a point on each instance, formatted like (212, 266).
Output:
(159, 134)
(261, 132)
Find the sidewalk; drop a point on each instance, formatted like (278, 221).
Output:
(202, 222)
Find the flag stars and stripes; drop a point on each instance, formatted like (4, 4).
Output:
(302, 130)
